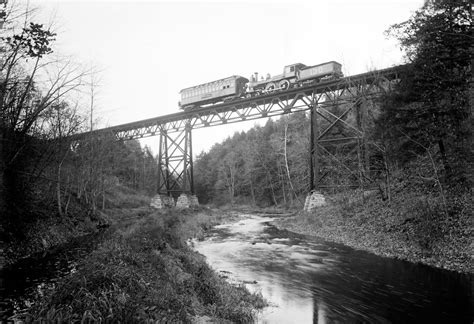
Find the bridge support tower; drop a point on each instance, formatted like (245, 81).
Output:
(339, 150)
(337, 129)
(175, 176)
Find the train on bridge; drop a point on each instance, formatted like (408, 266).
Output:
(236, 87)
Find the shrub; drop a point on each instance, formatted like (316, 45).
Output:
(146, 273)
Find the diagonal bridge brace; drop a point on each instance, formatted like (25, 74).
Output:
(175, 162)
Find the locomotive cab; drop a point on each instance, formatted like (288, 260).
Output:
(290, 70)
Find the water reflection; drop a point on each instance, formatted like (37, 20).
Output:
(311, 281)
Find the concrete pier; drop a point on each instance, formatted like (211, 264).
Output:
(313, 200)
(162, 201)
(184, 201)
(187, 201)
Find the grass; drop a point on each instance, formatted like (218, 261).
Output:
(120, 196)
(413, 227)
(147, 273)
(43, 228)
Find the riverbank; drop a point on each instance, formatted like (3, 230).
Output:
(146, 272)
(48, 229)
(412, 228)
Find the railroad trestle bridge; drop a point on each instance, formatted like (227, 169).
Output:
(340, 104)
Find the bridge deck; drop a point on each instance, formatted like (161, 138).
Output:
(244, 109)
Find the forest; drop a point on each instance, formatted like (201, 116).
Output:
(415, 200)
(418, 135)
(265, 166)
(45, 178)
(419, 132)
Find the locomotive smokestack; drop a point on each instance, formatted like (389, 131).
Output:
(256, 76)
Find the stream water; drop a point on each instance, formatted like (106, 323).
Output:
(308, 280)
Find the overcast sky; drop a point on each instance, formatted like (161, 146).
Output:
(149, 50)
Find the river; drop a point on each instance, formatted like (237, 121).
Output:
(308, 280)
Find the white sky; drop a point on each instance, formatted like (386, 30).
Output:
(149, 50)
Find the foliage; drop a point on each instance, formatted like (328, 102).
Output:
(266, 166)
(99, 165)
(147, 273)
(34, 41)
(31, 111)
(430, 107)
(41, 170)
(412, 227)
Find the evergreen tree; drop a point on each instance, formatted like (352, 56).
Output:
(430, 109)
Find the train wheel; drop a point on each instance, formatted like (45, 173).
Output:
(270, 87)
(284, 84)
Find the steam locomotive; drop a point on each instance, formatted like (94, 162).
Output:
(294, 75)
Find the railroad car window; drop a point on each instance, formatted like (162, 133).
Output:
(292, 69)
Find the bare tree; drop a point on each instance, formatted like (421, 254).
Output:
(34, 87)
